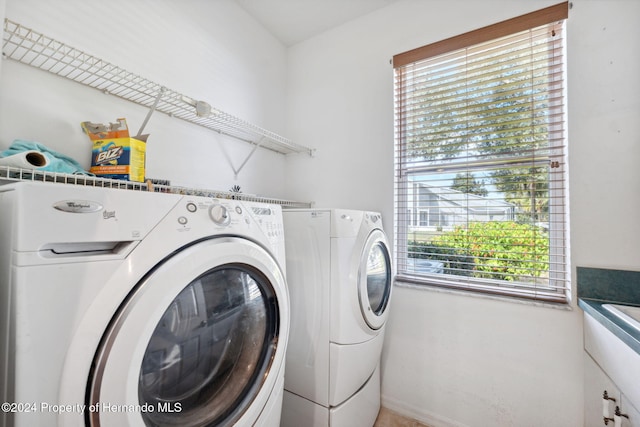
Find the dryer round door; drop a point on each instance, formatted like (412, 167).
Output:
(375, 279)
(198, 342)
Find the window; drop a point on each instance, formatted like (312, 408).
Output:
(480, 160)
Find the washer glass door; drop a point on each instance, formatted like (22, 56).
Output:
(195, 341)
(375, 280)
(207, 353)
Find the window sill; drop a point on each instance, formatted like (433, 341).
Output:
(427, 287)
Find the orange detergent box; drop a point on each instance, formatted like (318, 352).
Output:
(115, 154)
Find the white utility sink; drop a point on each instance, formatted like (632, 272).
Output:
(627, 313)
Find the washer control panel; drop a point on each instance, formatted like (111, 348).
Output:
(233, 215)
(200, 216)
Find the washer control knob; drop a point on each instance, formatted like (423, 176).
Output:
(219, 214)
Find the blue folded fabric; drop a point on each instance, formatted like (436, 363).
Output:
(57, 162)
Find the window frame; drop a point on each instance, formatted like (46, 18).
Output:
(403, 185)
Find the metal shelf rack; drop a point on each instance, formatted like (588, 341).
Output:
(10, 174)
(29, 47)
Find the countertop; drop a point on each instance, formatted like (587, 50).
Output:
(598, 286)
(620, 329)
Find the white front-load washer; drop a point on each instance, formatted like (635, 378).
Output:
(339, 274)
(128, 308)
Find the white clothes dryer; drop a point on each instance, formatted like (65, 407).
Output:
(340, 278)
(128, 308)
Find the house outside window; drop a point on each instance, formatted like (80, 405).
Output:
(481, 173)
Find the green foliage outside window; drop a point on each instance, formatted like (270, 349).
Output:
(504, 250)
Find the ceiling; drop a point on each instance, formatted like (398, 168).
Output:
(293, 21)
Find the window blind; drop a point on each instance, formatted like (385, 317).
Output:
(481, 173)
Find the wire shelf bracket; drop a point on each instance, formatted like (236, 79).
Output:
(35, 49)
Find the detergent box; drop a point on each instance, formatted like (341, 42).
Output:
(115, 154)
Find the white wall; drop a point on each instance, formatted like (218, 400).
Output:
(454, 359)
(209, 50)
(604, 108)
(2, 6)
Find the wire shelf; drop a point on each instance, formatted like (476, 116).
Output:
(9, 173)
(29, 47)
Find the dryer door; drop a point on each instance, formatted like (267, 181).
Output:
(198, 342)
(375, 279)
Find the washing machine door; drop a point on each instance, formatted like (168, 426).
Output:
(197, 343)
(375, 279)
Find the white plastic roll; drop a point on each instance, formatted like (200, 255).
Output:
(25, 160)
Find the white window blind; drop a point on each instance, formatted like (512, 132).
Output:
(481, 172)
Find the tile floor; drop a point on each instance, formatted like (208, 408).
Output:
(387, 418)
